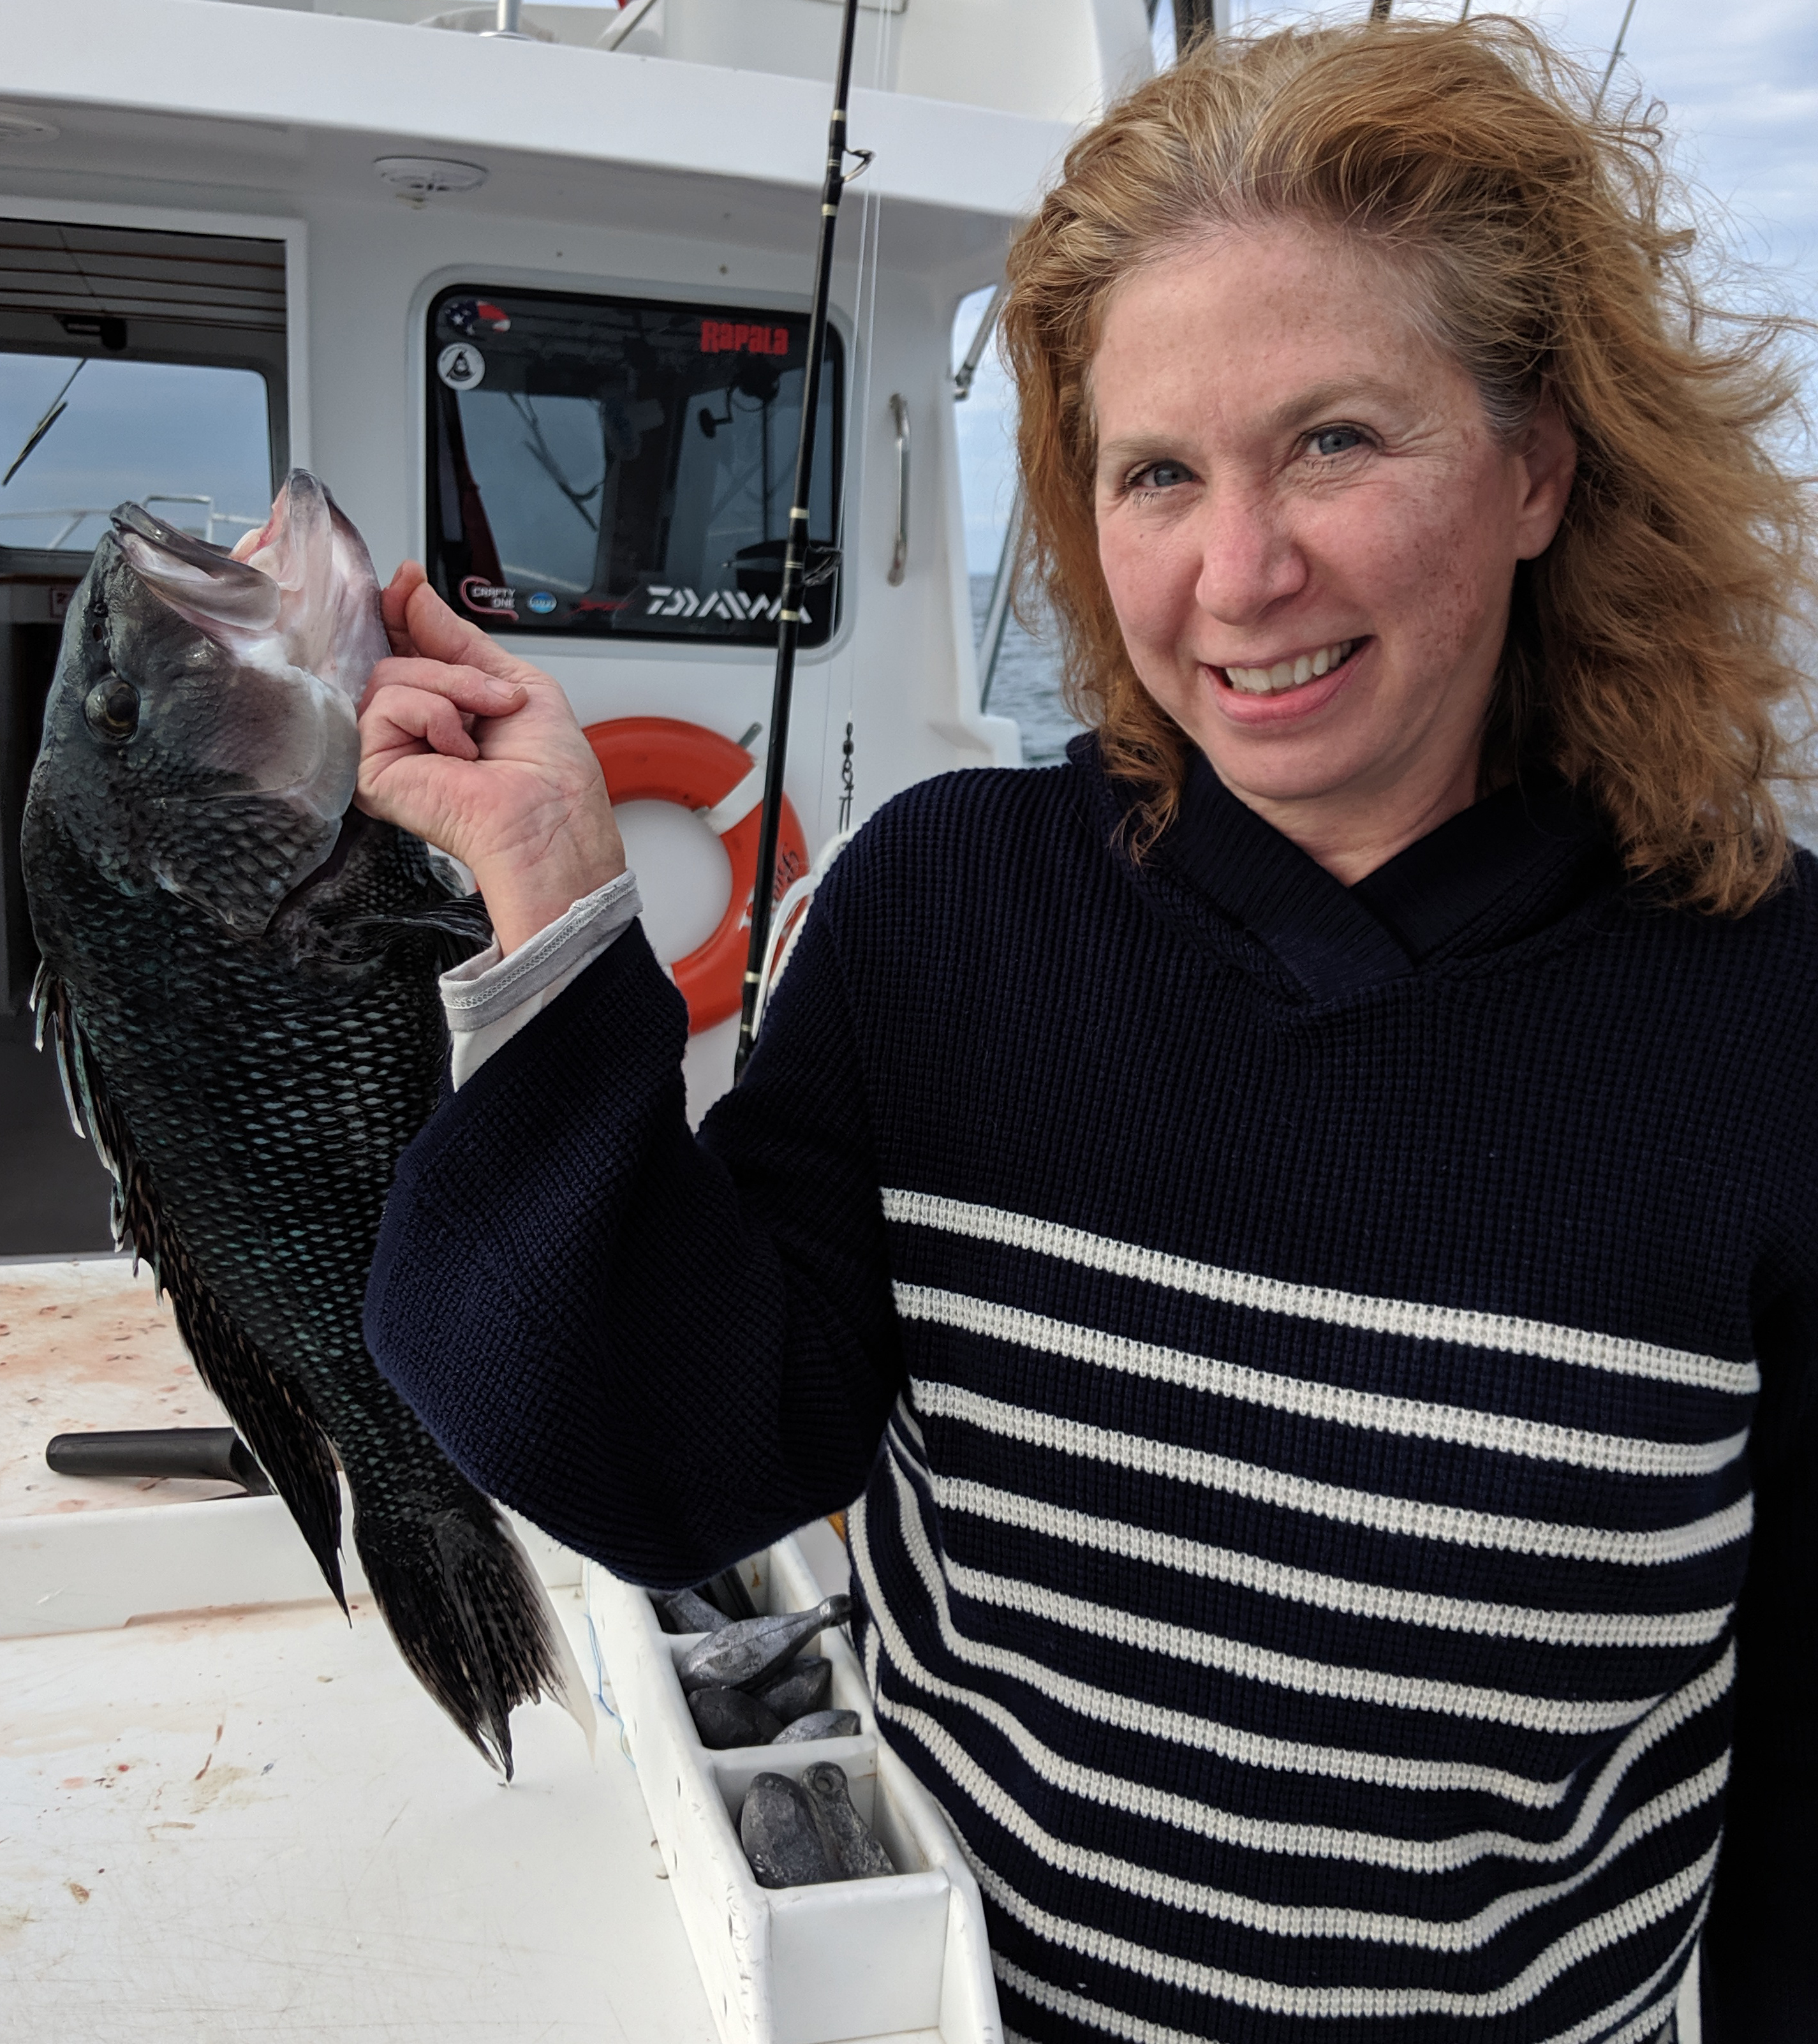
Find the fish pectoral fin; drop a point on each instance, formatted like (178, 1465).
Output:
(459, 921)
(272, 1413)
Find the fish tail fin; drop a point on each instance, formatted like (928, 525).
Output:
(470, 1617)
(569, 1687)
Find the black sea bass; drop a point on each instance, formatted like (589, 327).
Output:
(240, 976)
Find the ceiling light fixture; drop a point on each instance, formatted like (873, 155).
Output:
(419, 177)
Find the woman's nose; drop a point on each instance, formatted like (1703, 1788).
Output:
(1249, 560)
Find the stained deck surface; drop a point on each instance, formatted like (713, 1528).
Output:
(235, 1813)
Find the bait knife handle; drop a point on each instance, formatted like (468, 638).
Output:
(215, 1455)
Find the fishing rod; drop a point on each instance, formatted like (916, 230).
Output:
(795, 554)
(1610, 69)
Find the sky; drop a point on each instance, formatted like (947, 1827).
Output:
(1739, 81)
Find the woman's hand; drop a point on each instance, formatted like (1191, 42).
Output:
(478, 753)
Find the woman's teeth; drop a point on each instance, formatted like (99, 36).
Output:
(1290, 674)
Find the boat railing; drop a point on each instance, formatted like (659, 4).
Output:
(73, 514)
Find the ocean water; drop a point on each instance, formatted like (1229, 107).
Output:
(1027, 686)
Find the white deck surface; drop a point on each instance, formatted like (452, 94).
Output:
(257, 1824)
(244, 1817)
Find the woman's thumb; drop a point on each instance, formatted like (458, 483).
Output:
(438, 633)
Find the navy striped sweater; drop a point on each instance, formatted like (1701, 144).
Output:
(1322, 1367)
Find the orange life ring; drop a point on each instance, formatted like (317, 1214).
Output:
(661, 759)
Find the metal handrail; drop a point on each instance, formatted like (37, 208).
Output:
(630, 14)
(75, 514)
(998, 614)
(899, 553)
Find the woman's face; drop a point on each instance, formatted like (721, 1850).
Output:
(1309, 532)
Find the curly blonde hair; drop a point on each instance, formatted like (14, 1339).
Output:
(1649, 646)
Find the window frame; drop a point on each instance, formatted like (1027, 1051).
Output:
(708, 303)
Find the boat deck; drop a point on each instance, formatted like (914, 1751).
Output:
(255, 1822)
(224, 1810)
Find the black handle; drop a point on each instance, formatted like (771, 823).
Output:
(215, 1455)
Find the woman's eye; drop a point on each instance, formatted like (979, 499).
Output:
(1158, 475)
(1330, 440)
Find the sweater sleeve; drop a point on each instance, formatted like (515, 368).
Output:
(1760, 1971)
(666, 1352)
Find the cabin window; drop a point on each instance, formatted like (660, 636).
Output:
(622, 467)
(135, 364)
(191, 441)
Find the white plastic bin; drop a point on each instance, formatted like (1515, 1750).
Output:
(893, 1958)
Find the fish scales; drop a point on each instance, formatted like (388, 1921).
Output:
(253, 1090)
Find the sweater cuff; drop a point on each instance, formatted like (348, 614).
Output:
(490, 997)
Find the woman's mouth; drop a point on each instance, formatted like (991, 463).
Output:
(1286, 675)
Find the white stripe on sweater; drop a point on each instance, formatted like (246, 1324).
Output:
(1409, 1517)
(1132, 1715)
(1416, 1418)
(958, 1495)
(1468, 1329)
(1413, 1856)
(1467, 1933)
(1331, 2004)
(1137, 2029)
(1555, 1716)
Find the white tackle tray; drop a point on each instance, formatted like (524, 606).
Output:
(893, 1958)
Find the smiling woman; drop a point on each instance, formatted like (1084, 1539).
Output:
(1301, 1223)
(1308, 531)
(1344, 244)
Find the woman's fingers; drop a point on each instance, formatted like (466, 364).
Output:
(400, 720)
(467, 688)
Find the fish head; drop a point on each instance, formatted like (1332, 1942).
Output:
(200, 732)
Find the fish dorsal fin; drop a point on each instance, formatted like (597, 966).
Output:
(201, 582)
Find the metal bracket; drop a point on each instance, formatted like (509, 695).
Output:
(968, 368)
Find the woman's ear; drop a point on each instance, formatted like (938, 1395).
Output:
(1547, 461)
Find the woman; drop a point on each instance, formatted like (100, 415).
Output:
(1317, 1199)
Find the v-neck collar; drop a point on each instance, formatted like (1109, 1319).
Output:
(1498, 870)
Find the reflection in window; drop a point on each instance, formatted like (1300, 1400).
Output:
(609, 465)
(190, 440)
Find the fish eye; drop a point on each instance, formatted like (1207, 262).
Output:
(112, 709)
